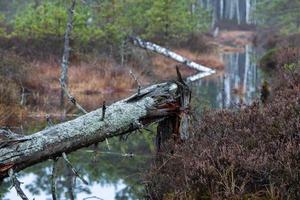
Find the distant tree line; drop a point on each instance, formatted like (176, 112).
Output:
(283, 15)
(106, 20)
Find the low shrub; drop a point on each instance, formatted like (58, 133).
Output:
(278, 57)
(249, 153)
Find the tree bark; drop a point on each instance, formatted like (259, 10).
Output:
(175, 126)
(170, 54)
(66, 54)
(151, 104)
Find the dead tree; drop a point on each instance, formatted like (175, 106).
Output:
(170, 54)
(66, 54)
(175, 126)
(152, 104)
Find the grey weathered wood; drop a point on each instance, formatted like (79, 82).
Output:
(185, 98)
(72, 99)
(66, 53)
(175, 126)
(17, 184)
(170, 54)
(121, 117)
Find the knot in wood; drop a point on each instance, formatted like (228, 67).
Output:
(73, 100)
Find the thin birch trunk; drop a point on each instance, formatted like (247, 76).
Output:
(66, 54)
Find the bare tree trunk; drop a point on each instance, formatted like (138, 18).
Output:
(151, 104)
(170, 54)
(66, 54)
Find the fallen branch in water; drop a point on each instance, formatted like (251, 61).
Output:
(204, 71)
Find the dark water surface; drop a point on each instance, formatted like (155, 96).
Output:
(112, 171)
(238, 84)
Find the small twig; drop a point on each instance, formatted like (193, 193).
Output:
(73, 169)
(49, 121)
(102, 119)
(130, 154)
(93, 197)
(147, 129)
(22, 103)
(53, 177)
(136, 80)
(71, 98)
(16, 183)
(103, 111)
(107, 144)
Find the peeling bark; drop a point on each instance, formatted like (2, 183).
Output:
(151, 104)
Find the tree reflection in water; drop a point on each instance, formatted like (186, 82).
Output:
(122, 167)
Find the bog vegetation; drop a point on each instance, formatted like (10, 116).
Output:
(249, 152)
(246, 153)
(31, 40)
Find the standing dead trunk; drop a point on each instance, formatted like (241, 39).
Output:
(66, 54)
(175, 126)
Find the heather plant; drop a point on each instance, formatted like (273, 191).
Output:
(2, 25)
(248, 153)
(287, 57)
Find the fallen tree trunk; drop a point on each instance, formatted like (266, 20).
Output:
(151, 104)
(170, 54)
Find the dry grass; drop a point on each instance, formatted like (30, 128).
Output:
(12, 71)
(229, 49)
(92, 79)
(11, 113)
(234, 41)
(164, 67)
(236, 38)
(212, 60)
(90, 82)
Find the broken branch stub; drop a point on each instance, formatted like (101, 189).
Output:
(175, 125)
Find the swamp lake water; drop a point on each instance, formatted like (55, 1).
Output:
(116, 171)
